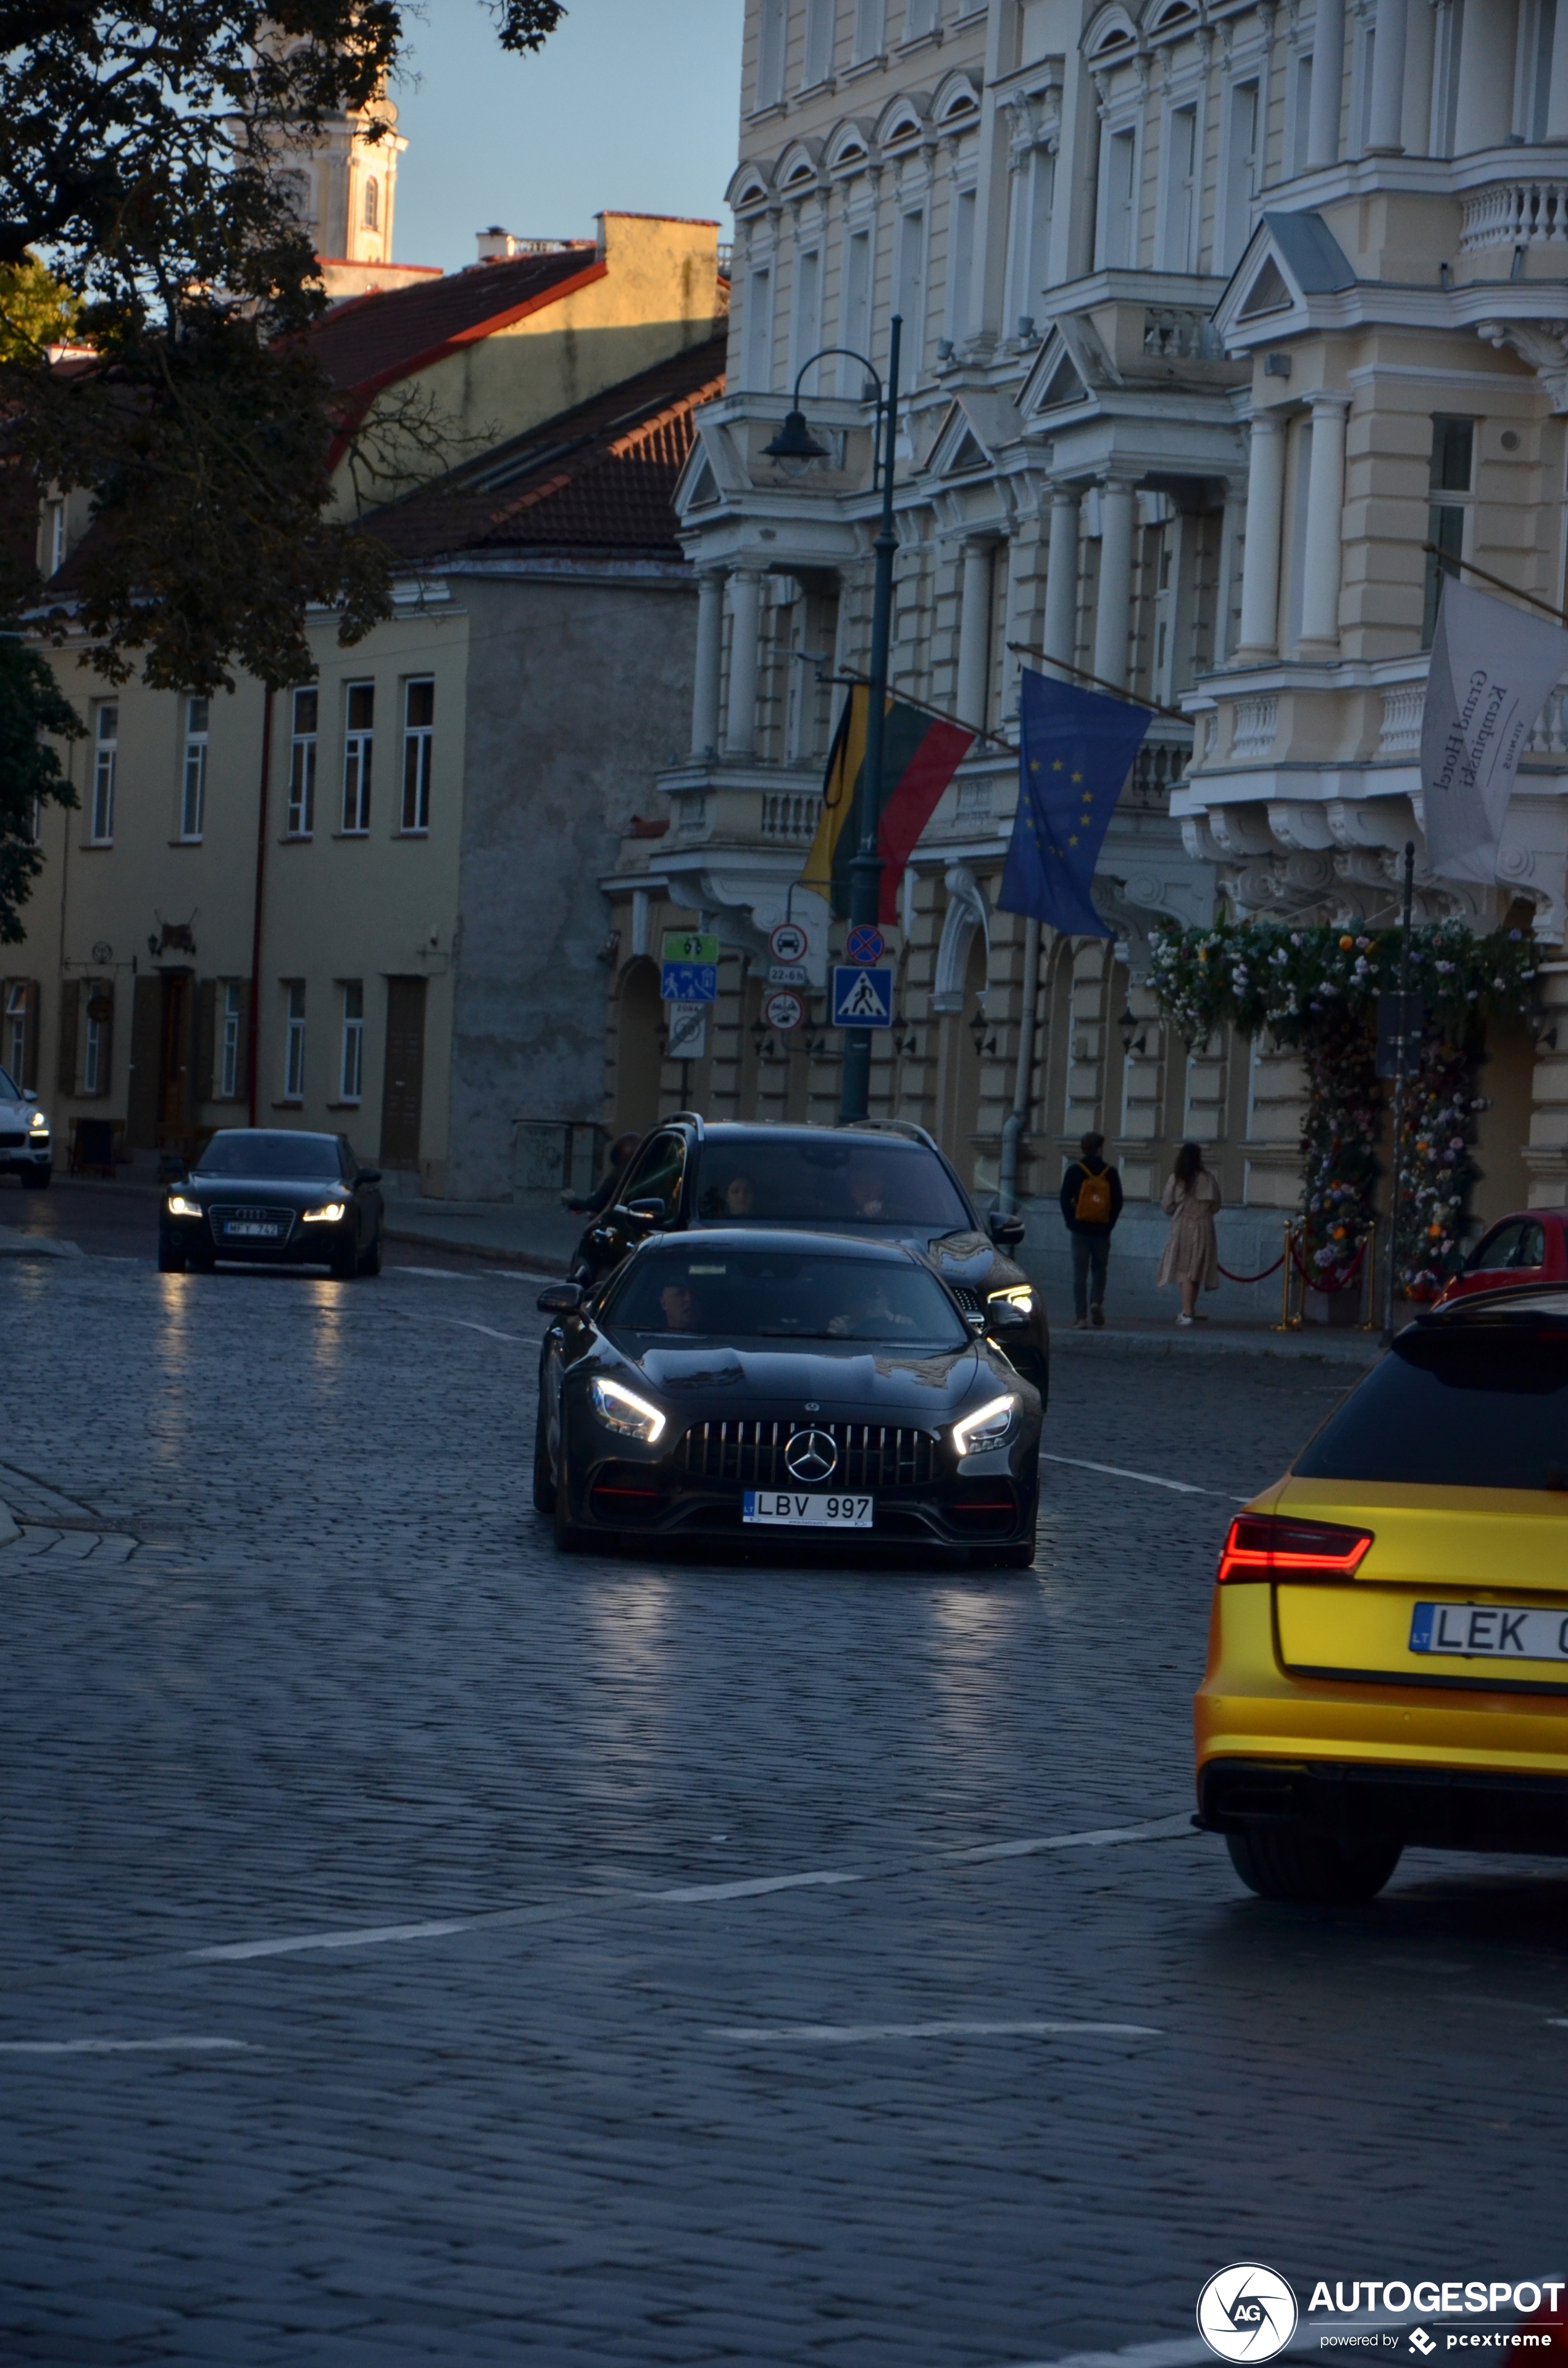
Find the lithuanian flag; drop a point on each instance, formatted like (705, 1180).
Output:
(920, 755)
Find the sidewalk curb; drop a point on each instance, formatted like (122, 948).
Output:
(497, 1254)
(1290, 1347)
(17, 1245)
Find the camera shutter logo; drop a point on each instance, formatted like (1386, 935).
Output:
(1246, 2313)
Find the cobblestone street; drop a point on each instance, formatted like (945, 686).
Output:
(418, 1947)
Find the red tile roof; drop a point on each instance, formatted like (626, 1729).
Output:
(369, 340)
(600, 478)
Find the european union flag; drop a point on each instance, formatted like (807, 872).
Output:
(1077, 748)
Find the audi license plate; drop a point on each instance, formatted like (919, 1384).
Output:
(803, 1512)
(1489, 1632)
(264, 1233)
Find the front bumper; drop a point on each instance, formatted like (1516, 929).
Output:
(989, 1511)
(1459, 1769)
(35, 1151)
(302, 1246)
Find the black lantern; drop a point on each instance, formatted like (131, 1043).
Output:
(794, 447)
(1536, 1017)
(1132, 1041)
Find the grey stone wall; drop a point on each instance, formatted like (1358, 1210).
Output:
(580, 690)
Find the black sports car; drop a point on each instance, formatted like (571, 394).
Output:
(885, 1181)
(749, 1383)
(270, 1197)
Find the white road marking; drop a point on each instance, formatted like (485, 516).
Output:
(463, 1325)
(369, 1937)
(438, 1274)
(848, 2034)
(689, 1895)
(1150, 1479)
(117, 2046)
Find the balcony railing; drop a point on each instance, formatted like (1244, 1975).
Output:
(1173, 333)
(1515, 213)
(790, 817)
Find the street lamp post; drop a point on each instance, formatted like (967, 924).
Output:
(795, 441)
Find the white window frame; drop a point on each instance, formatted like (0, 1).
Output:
(351, 1060)
(870, 30)
(18, 1019)
(229, 1052)
(759, 329)
(193, 773)
(1029, 234)
(909, 280)
(1182, 213)
(418, 753)
(54, 537)
(106, 763)
(1301, 111)
(855, 305)
(772, 43)
(93, 1079)
(1233, 221)
(963, 216)
(822, 40)
(921, 18)
(304, 750)
(1116, 246)
(293, 1039)
(358, 763)
(806, 328)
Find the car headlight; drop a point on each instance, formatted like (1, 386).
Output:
(987, 1426)
(1018, 1294)
(37, 1123)
(623, 1411)
(180, 1207)
(331, 1213)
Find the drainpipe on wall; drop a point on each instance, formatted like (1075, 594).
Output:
(254, 1018)
(1016, 1120)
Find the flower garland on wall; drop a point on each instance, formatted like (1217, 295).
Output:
(1316, 991)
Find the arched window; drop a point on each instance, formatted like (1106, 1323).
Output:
(372, 203)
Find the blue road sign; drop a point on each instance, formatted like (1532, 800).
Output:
(864, 943)
(681, 981)
(861, 998)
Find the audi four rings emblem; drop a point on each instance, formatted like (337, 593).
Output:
(811, 1455)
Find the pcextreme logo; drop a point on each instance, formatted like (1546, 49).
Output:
(1247, 2312)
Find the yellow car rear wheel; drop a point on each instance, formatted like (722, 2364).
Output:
(1293, 1863)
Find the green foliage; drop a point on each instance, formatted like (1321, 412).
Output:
(30, 775)
(1315, 990)
(36, 311)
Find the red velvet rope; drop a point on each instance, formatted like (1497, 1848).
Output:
(1351, 1274)
(1254, 1278)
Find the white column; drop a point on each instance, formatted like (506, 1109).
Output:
(1260, 557)
(1326, 503)
(1113, 611)
(1385, 121)
(1062, 576)
(746, 609)
(1328, 80)
(974, 634)
(710, 661)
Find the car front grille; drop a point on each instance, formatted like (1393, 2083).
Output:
(968, 1298)
(223, 1212)
(751, 1449)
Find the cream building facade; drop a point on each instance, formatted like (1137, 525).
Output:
(1214, 314)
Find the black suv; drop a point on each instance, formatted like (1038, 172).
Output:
(873, 1177)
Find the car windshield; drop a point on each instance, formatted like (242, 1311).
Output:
(783, 1296)
(281, 1159)
(1479, 1405)
(8, 1091)
(840, 1179)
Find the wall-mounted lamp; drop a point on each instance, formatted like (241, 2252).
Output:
(1134, 1033)
(1536, 1017)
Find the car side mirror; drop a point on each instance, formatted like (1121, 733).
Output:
(369, 1176)
(560, 1299)
(29, 1095)
(1005, 1231)
(649, 1213)
(1006, 1317)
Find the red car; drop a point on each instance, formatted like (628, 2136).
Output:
(1529, 1247)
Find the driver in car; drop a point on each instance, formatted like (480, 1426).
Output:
(678, 1302)
(867, 1187)
(738, 1198)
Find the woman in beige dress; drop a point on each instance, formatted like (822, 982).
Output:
(1191, 1254)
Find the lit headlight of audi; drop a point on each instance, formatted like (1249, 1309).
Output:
(1016, 1294)
(987, 1426)
(622, 1409)
(331, 1213)
(179, 1205)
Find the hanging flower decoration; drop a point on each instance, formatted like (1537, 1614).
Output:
(1316, 991)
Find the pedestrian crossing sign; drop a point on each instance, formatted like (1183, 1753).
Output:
(861, 998)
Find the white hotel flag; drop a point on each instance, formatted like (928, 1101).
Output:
(1492, 665)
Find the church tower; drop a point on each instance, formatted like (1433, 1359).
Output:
(345, 186)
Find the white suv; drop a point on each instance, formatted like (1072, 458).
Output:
(26, 1148)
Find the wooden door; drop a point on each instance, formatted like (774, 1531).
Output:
(402, 1086)
(173, 1062)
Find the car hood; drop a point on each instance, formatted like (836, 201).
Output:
(828, 1375)
(966, 1256)
(290, 1191)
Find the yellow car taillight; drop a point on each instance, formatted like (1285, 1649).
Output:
(1265, 1545)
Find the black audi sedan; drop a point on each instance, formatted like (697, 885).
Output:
(264, 1196)
(884, 1180)
(744, 1383)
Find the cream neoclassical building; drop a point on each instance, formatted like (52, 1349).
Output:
(1215, 314)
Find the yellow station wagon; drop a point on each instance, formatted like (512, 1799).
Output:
(1388, 1654)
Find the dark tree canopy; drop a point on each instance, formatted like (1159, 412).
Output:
(135, 146)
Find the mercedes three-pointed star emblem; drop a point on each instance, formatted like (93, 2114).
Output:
(811, 1456)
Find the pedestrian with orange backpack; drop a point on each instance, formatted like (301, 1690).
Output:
(1091, 1203)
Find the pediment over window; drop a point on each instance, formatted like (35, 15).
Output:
(1167, 16)
(904, 119)
(849, 147)
(956, 101)
(711, 476)
(977, 426)
(797, 168)
(1290, 266)
(748, 188)
(1070, 367)
(702, 487)
(1112, 35)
